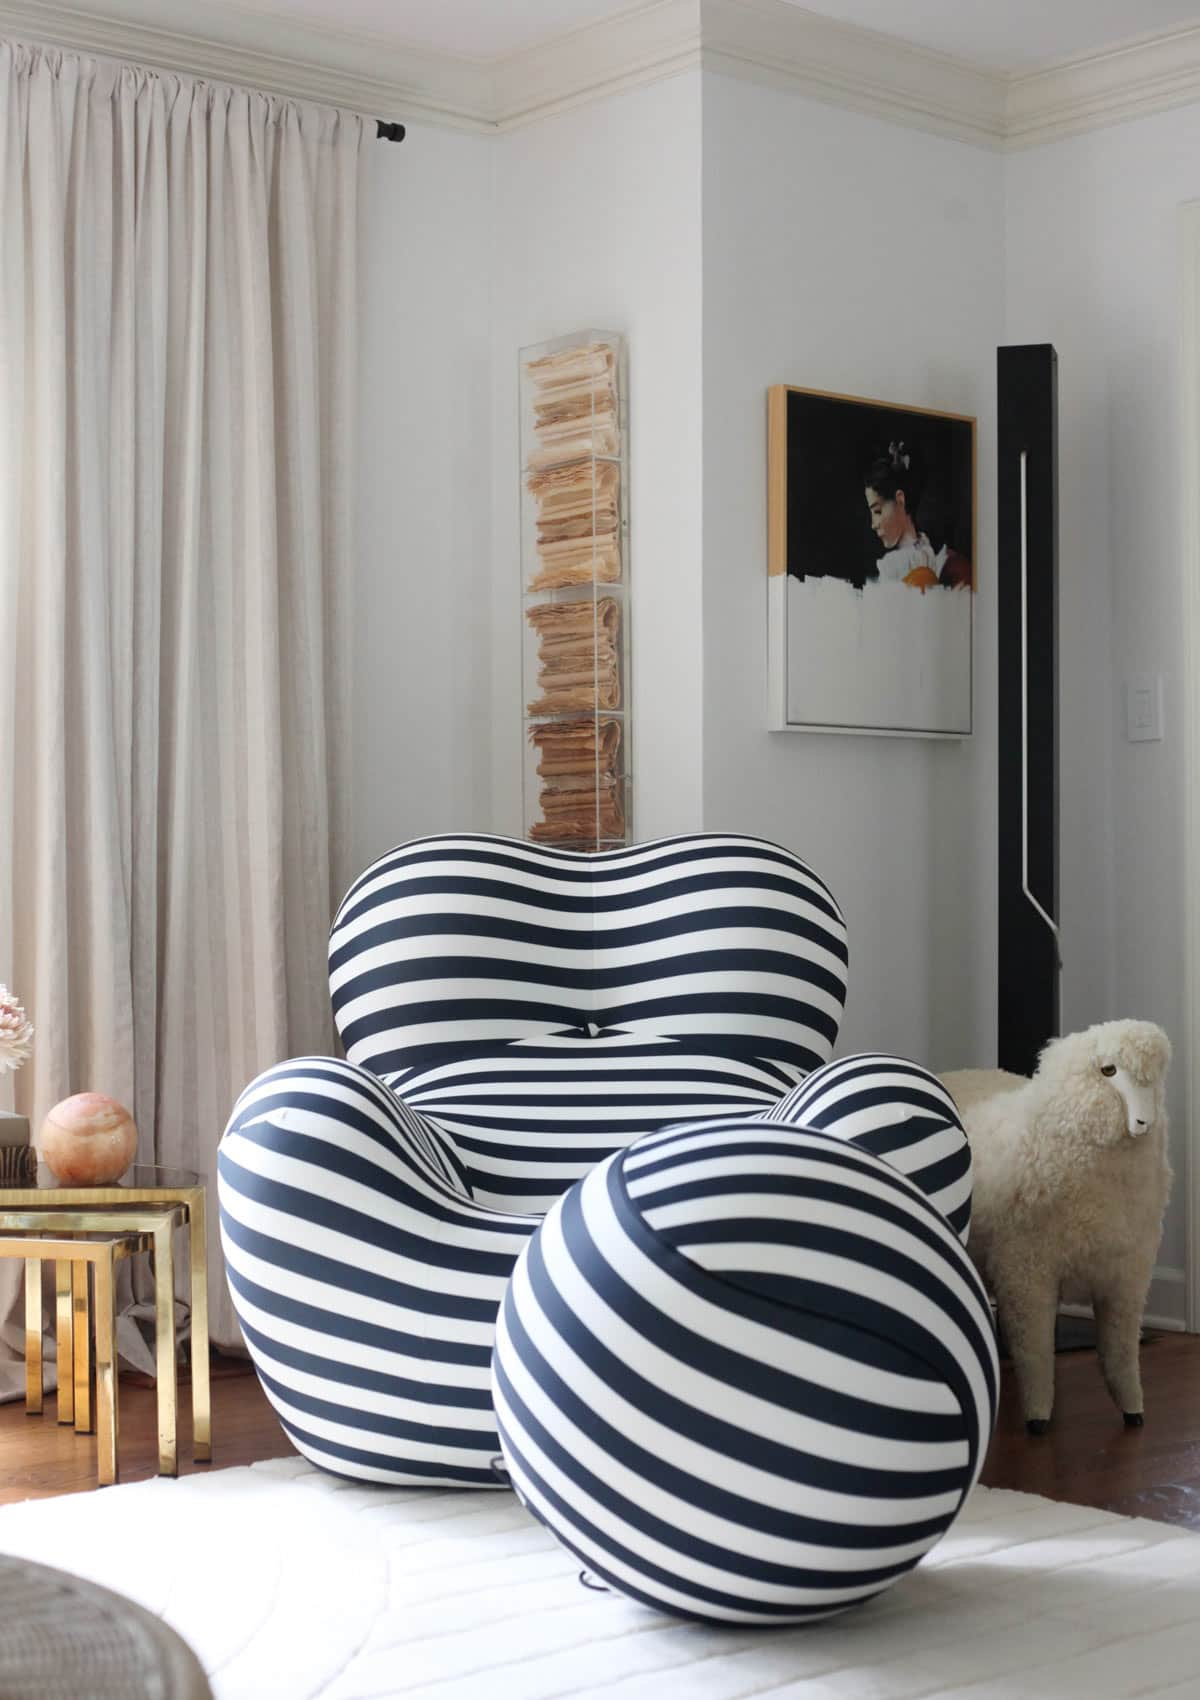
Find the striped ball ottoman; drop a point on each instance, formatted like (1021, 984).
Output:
(746, 1372)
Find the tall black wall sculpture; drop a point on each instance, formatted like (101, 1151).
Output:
(1027, 384)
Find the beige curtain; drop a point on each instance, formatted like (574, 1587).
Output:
(177, 378)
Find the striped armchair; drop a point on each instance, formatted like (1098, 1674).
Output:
(511, 1016)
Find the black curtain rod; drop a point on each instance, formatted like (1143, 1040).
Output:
(385, 132)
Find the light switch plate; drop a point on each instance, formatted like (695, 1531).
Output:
(1143, 708)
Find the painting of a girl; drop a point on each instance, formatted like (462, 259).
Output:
(870, 502)
(893, 485)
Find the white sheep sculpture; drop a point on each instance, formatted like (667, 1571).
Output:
(1071, 1180)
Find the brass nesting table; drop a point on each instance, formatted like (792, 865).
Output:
(91, 1229)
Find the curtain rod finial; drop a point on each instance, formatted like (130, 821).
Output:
(385, 132)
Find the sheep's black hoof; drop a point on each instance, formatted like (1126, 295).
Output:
(1134, 1419)
(1038, 1425)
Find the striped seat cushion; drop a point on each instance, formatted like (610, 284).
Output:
(527, 1120)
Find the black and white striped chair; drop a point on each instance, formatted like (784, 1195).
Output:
(512, 1015)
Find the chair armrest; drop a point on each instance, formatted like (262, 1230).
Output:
(365, 1277)
(326, 1109)
(898, 1111)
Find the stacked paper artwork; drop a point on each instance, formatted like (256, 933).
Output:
(575, 607)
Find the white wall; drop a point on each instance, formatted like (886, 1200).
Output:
(1092, 266)
(422, 624)
(475, 247)
(598, 224)
(805, 262)
(743, 236)
(847, 254)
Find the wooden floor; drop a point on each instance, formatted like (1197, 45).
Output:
(1089, 1457)
(38, 1458)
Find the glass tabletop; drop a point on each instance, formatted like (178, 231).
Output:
(143, 1175)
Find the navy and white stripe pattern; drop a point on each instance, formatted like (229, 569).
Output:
(365, 1277)
(898, 1111)
(513, 1015)
(546, 1007)
(745, 1372)
(530, 1118)
(449, 946)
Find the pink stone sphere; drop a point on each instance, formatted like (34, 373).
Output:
(88, 1140)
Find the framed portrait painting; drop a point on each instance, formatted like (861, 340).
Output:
(871, 566)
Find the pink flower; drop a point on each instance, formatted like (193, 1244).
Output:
(16, 1032)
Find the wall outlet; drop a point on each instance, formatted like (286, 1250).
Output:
(1143, 708)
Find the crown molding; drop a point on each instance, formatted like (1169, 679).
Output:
(786, 46)
(769, 41)
(644, 44)
(1130, 81)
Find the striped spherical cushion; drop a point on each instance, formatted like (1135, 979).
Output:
(899, 1111)
(527, 1120)
(745, 1372)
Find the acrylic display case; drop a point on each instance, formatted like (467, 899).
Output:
(575, 591)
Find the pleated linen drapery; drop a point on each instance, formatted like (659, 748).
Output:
(178, 278)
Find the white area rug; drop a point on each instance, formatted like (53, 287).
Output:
(291, 1585)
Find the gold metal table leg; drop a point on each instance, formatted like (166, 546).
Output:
(201, 1395)
(164, 1341)
(82, 1332)
(107, 1416)
(33, 1336)
(66, 1356)
(142, 1224)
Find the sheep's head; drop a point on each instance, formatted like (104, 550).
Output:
(1108, 1080)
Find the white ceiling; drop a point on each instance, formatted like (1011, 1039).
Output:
(474, 29)
(996, 35)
